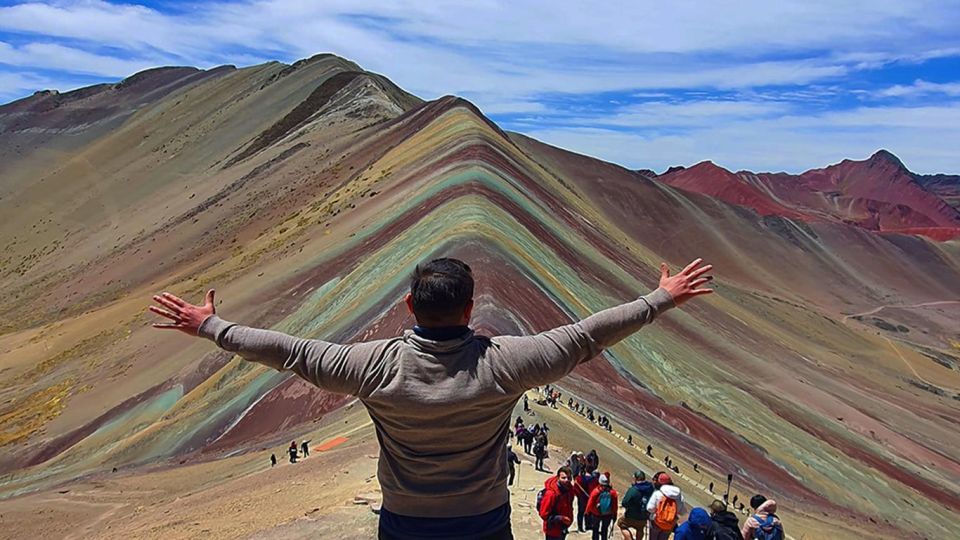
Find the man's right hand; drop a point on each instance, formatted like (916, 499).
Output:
(687, 283)
(186, 317)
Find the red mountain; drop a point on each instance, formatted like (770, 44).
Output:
(878, 194)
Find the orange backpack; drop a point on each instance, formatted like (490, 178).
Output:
(666, 517)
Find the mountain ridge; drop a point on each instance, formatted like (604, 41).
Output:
(315, 234)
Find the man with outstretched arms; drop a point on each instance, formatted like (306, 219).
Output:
(440, 396)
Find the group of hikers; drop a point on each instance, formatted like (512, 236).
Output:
(293, 452)
(587, 412)
(551, 396)
(650, 508)
(534, 441)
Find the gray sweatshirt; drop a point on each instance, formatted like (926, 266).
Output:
(441, 408)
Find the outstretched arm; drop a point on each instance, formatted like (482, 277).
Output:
(543, 358)
(334, 367)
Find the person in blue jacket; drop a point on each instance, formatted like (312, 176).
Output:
(695, 528)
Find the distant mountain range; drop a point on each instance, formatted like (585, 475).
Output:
(878, 194)
(825, 371)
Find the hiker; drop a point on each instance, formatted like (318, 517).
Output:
(656, 479)
(555, 505)
(305, 448)
(584, 485)
(593, 461)
(630, 440)
(540, 450)
(696, 527)
(512, 460)
(710, 487)
(635, 513)
(293, 451)
(574, 463)
(519, 422)
(273, 460)
(440, 419)
(726, 526)
(527, 440)
(526, 403)
(764, 523)
(602, 507)
(665, 506)
(650, 450)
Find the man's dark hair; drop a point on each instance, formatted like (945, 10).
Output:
(441, 289)
(756, 501)
(566, 470)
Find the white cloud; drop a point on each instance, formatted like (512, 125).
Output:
(527, 57)
(921, 87)
(790, 143)
(691, 114)
(17, 85)
(526, 48)
(51, 56)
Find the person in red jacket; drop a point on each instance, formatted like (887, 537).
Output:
(602, 507)
(583, 486)
(556, 507)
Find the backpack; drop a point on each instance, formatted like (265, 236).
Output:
(666, 516)
(723, 533)
(540, 496)
(768, 529)
(604, 502)
(639, 504)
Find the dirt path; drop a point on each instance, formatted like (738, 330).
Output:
(881, 308)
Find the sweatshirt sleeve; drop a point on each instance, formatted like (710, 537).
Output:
(652, 503)
(530, 361)
(330, 366)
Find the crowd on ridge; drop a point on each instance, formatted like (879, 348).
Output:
(580, 495)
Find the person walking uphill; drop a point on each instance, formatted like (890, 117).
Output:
(665, 506)
(440, 396)
(512, 462)
(696, 528)
(726, 526)
(602, 507)
(764, 523)
(635, 513)
(555, 504)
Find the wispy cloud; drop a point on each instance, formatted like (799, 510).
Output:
(791, 143)
(611, 72)
(921, 87)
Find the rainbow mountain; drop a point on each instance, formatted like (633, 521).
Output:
(825, 371)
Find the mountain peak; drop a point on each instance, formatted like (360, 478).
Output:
(885, 156)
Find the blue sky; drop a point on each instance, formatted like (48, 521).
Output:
(758, 85)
